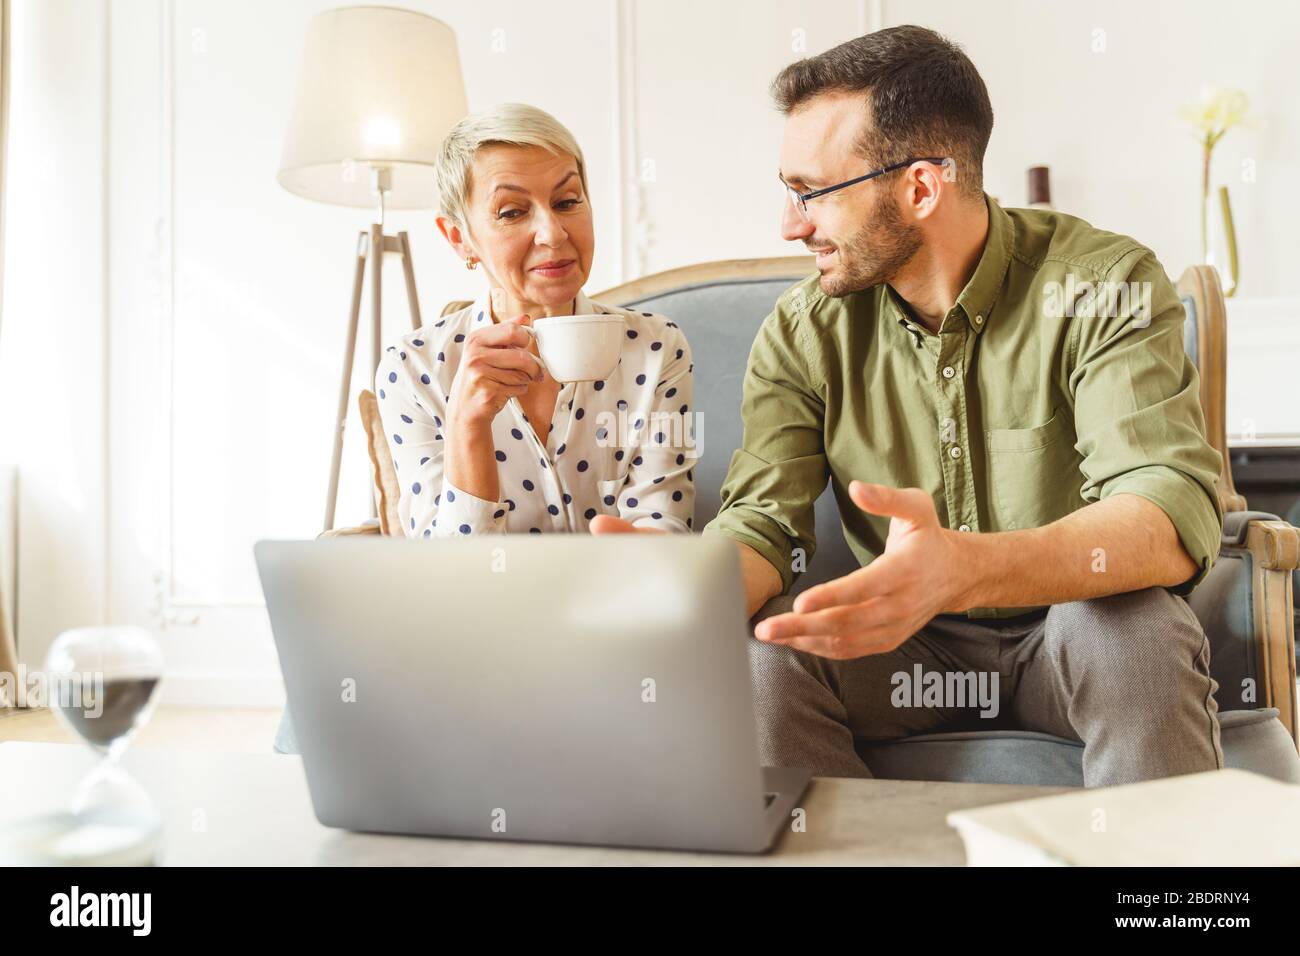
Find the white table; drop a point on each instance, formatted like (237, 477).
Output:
(244, 809)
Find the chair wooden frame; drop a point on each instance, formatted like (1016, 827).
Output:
(1275, 554)
(1274, 545)
(1201, 285)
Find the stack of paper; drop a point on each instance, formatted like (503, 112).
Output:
(1217, 818)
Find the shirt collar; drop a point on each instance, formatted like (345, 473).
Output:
(482, 307)
(977, 299)
(584, 305)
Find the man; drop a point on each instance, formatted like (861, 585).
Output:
(1001, 401)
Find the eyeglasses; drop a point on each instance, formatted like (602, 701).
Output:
(800, 200)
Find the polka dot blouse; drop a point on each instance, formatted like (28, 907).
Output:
(624, 446)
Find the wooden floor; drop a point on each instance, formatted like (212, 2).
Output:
(175, 728)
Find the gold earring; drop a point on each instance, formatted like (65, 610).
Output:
(471, 263)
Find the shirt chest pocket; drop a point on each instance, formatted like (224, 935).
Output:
(609, 465)
(609, 492)
(1033, 473)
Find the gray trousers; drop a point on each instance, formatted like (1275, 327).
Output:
(1126, 675)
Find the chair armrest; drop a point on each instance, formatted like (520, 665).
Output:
(1277, 544)
(1274, 546)
(370, 526)
(1245, 606)
(1281, 539)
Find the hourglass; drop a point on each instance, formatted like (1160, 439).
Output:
(102, 682)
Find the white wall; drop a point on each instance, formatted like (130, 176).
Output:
(142, 200)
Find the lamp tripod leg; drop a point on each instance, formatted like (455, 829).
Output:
(408, 270)
(376, 314)
(345, 387)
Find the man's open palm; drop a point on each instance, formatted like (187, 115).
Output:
(876, 608)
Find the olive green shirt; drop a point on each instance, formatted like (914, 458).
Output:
(1058, 379)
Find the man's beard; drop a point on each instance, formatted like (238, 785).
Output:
(875, 253)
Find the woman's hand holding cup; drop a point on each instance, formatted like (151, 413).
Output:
(495, 367)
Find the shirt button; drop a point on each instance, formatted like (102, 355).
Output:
(955, 451)
(979, 320)
(964, 527)
(949, 371)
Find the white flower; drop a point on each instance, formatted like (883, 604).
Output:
(1220, 110)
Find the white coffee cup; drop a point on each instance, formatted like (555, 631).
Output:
(579, 348)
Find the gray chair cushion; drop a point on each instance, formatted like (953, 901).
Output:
(1191, 334)
(1252, 740)
(721, 321)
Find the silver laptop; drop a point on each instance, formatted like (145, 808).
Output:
(560, 688)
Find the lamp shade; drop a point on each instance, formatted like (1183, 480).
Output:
(377, 87)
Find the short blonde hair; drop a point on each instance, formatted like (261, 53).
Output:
(508, 124)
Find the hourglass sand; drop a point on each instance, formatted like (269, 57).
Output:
(102, 682)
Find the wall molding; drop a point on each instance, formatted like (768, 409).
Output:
(871, 15)
(106, 310)
(636, 230)
(167, 327)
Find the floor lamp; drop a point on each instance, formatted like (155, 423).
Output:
(378, 89)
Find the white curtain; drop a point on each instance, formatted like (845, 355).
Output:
(8, 651)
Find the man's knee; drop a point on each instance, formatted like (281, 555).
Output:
(1124, 632)
(778, 669)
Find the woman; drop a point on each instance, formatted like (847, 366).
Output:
(483, 439)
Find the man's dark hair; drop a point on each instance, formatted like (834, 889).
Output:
(923, 95)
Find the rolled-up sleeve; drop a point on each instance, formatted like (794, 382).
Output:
(1137, 409)
(779, 471)
(459, 512)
